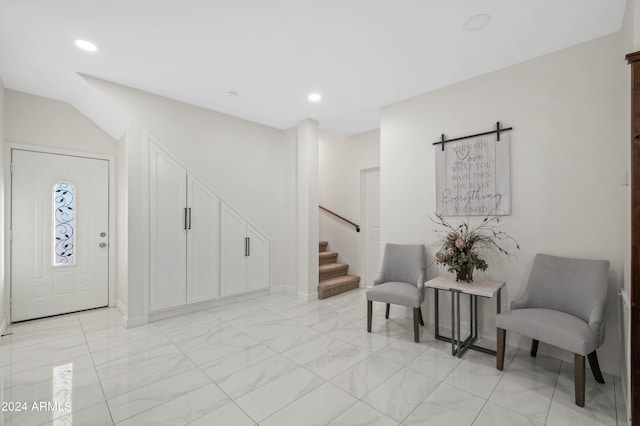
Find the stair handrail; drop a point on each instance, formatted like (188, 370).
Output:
(340, 217)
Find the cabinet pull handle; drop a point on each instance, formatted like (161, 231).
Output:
(185, 218)
(248, 246)
(189, 217)
(245, 246)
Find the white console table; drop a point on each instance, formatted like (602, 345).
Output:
(482, 288)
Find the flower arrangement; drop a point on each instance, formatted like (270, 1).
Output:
(461, 245)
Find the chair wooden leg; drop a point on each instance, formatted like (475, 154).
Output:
(369, 314)
(416, 322)
(595, 367)
(386, 315)
(579, 378)
(534, 347)
(420, 316)
(501, 338)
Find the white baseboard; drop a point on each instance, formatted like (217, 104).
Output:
(209, 304)
(309, 297)
(3, 326)
(519, 342)
(283, 289)
(609, 367)
(524, 344)
(181, 310)
(136, 321)
(121, 307)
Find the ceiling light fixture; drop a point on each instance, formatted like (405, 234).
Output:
(314, 97)
(232, 94)
(477, 22)
(85, 45)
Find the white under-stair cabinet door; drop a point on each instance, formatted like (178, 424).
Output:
(203, 243)
(168, 236)
(257, 260)
(184, 236)
(245, 254)
(234, 250)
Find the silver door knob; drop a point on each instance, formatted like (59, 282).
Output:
(103, 245)
(103, 234)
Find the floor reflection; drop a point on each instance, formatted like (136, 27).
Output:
(62, 392)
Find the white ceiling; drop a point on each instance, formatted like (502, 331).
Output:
(359, 54)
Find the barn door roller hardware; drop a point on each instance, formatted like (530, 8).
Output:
(498, 129)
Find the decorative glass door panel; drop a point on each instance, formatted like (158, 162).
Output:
(63, 224)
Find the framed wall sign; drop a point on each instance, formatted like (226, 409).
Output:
(473, 175)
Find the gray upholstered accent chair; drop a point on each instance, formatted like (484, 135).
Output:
(401, 282)
(563, 306)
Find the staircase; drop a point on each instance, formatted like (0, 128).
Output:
(333, 275)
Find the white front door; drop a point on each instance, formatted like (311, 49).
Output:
(373, 251)
(60, 225)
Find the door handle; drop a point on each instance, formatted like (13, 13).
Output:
(189, 217)
(103, 245)
(185, 218)
(248, 246)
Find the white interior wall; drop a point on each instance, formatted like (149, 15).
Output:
(633, 9)
(35, 120)
(4, 308)
(290, 217)
(39, 121)
(565, 166)
(122, 248)
(247, 164)
(341, 159)
(307, 211)
(630, 43)
(135, 233)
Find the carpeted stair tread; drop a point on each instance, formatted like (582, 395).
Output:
(333, 275)
(327, 257)
(333, 286)
(339, 280)
(332, 270)
(332, 267)
(326, 254)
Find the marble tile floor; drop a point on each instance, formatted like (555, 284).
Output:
(276, 360)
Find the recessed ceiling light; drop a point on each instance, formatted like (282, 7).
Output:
(477, 22)
(85, 45)
(315, 97)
